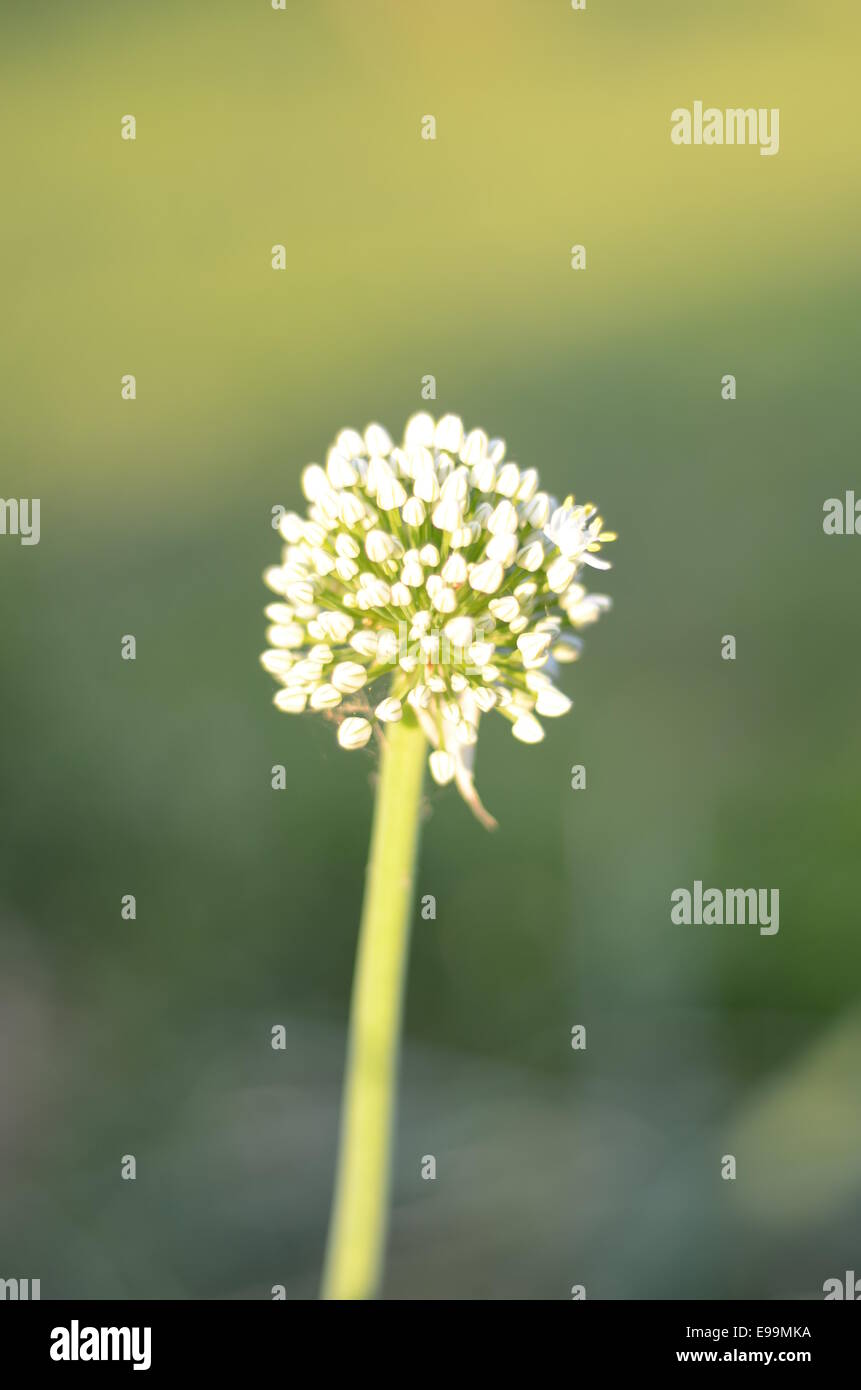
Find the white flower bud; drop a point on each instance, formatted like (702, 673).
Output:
(277, 663)
(560, 573)
(457, 485)
(480, 653)
(531, 557)
(509, 480)
(387, 648)
(527, 729)
(426, 484)
(474, 447)
(354, 733)
(486, 578)
(348, 677)
(526, 591)
(536, 513)
(377, 593)
(304, 673)
(377, 440)
(350, 443)
(315, 535)
(504, 609)
(324, 563)
(567, 650)
(465, 535)
(389, 711)
(483, 476)
(314, 482)
(419, 432)
(365, 642)
(575, 594)
(459, 631)
(447, 514)
(273, 578)
(528, 484)
(429, 556)
(379, 546)
(390, 494)
(378, 468)
(346, 569)
(551, 702)
(285, 635)
(414, 511)
(455, 570)
(336, 626)
(292, 527)
(340, 471)
(533, 647)
(537, 681)
(503, 519)
(449, 434)
(300, 592)
(326, 509)
(412, 575)
(324, 697)
(445, 599)
(484, 698)
(442, 766)
(502, 548)
(296, 566)
(291, 701)
(347, 546)
(351, 509)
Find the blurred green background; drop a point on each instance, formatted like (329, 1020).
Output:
(407, 257)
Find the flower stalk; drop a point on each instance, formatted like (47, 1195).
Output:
(359, 1220)
(428, 584)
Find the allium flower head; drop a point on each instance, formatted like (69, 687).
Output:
(437, 575)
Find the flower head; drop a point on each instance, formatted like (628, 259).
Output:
(444, 573)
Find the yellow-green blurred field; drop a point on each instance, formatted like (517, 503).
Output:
(407, 257)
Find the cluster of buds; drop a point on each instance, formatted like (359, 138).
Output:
(441, 568)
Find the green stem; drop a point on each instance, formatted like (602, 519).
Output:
(359, 1218)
